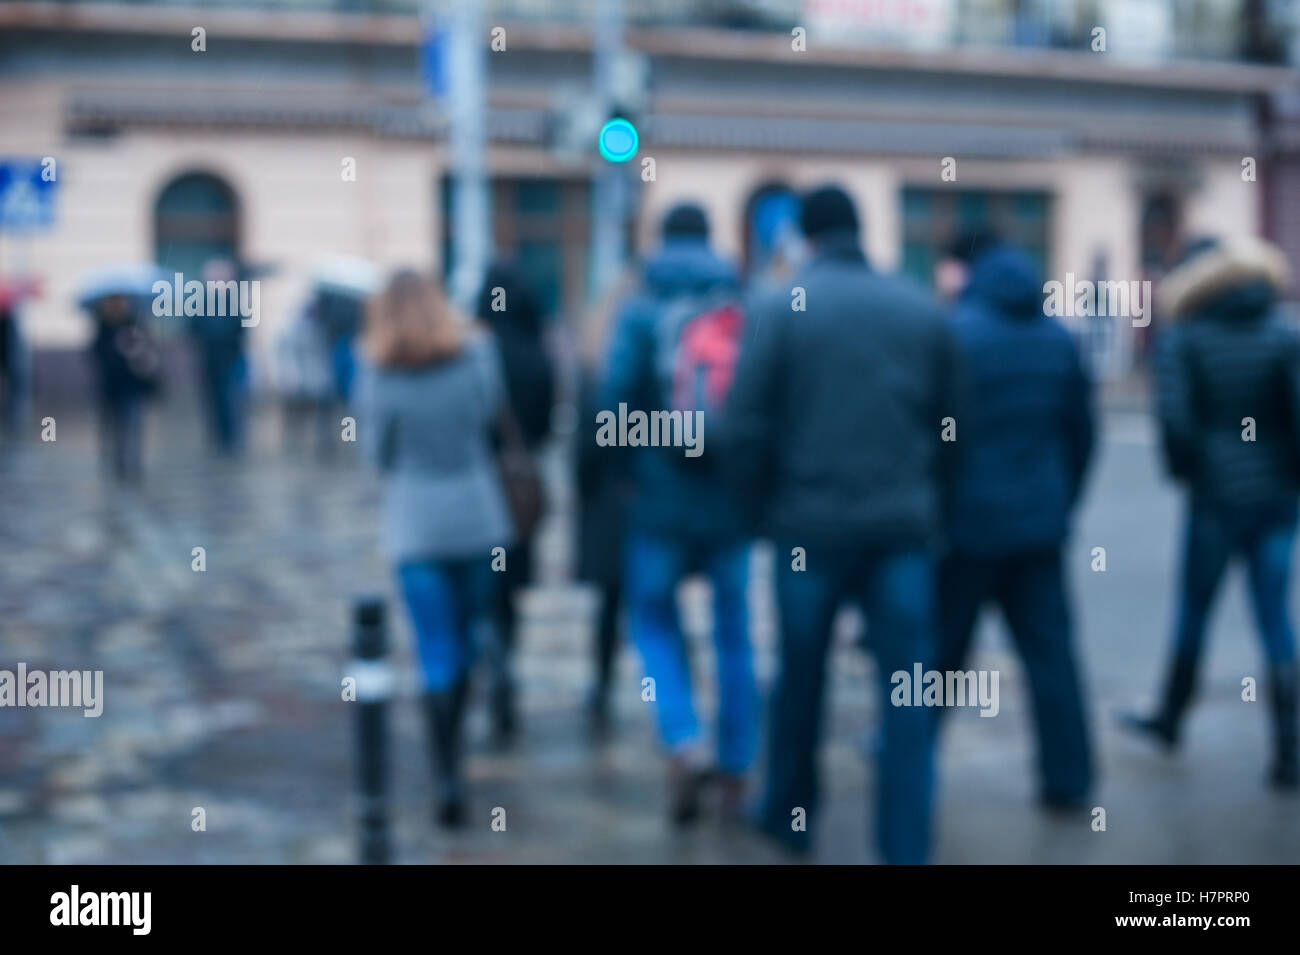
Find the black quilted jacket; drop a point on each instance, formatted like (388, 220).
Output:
(1233, 358)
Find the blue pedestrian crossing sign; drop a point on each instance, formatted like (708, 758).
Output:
(435, 52)
(27, 188)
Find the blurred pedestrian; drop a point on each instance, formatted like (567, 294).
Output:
(340, 314)
(8, 355)
(433, 390)
(15, 353)
(679, 329)
(129, 367)
(305, 381)
(836, 425)
(1228, 376)
(219, 341)
(11, 364)
(509, 306)
(1024, 442)
(604, 493)
(341, 285)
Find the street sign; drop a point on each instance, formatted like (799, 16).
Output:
(434, 60)
(27, 188)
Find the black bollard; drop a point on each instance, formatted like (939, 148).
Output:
(374, 688)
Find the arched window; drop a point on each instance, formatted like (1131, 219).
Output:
(196, 218)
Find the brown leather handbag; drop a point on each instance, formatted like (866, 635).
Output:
(520, 478)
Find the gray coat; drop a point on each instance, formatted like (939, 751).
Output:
(428, 430)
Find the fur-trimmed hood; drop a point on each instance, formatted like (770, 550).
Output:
(1235, 263)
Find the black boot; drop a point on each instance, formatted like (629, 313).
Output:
(445, 711)
(606, 646)
(504, 721)
(495, 638)
(1165, 725)
(686, 783)
(597, 706)
(1284, 687)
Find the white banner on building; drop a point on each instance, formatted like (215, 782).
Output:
(913, 24)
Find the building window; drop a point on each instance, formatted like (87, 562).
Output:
(196, 218)
(543, 226)
(932, 218)
(1161, 232)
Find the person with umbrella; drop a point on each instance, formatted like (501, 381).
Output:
(342, 287)
(126, 360)
(219, 342)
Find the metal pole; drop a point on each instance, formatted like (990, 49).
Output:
(609, 203)
(374, 688)
(471, 222)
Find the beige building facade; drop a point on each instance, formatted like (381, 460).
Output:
(1084, 146)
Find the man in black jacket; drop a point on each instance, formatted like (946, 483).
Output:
(1229, 405)
(836, 421)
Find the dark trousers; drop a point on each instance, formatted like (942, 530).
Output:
(896, 588)
(222, 391)
(605, 645)
(1029, 588)
(121, 436)
(517, 576)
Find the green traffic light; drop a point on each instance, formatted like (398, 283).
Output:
(618, 140)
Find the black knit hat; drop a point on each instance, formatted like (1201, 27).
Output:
(827, 209)
(686, 219)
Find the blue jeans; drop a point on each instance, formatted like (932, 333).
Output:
(1029, 587)
(446, 599)
(1263, 536)
(345, 368)
(655, 566)
(896, 590)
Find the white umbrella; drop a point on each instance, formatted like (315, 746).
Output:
(347, 275)
(136, 280)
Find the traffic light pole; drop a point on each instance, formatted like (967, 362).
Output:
(471, 213)
(609, 205)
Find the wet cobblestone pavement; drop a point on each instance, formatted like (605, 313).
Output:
(222, 688)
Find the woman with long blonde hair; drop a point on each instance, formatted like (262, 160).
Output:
(432, 392)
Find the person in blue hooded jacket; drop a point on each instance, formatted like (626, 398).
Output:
(1024, 441)
(683, 520)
